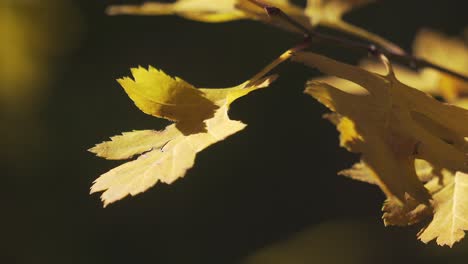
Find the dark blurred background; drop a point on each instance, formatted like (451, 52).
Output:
(269, 194)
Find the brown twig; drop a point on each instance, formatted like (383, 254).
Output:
(374, 49)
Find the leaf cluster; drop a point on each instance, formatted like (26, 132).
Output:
(411, 145)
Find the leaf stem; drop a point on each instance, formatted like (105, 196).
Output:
(372, 48)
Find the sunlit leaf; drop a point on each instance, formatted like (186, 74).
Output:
(201, 10)
(391, 126)
(448, 52)
(426, 81)
(450, 211)
(160, 95)
(164, 156)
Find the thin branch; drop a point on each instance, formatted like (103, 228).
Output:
(404, 58)
(374, 49)
(275, 11)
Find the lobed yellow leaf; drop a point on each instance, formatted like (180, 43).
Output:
(164, 158)
(450, 212)
(392, 125)
(160, 95)
(405, 141)
(397, 213)
(202, 120)
(412, 211)
(132, 143)
(360, 172)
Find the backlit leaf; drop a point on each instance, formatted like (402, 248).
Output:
(160, 95)
(448, 52)
(450, 212)
(392, 125)
(202, 120)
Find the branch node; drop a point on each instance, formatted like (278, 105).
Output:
(272, 11)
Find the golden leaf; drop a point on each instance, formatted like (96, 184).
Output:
(450, 212)
(411, 211)
(397, 213)
(160, 95)
(392, 125)
(202, 120)
(448, 52)
(426, 80)
(165, 155)
(360, 172)
(163, 158)
(200, 10)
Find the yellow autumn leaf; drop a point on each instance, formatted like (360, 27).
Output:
(409, 213)
(391, 126)
(360, 172)
(448, 52)
(462, 102)
(397, 213)
(426, 80)
(449, 195)
(200, 10)
(412, 211)
(163, 159)
(450, 212)
(166, 155)
(160, 95)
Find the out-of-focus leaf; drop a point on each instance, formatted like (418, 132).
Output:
(33, 32)
(318, 244)
(448, 52)
(200, 10)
